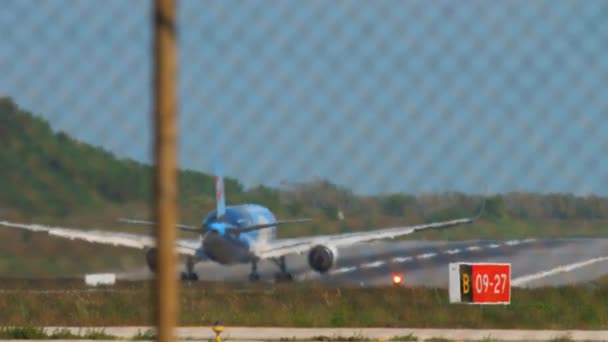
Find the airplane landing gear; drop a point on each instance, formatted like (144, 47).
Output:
(283, 275)
(254, 276)
(189, 274)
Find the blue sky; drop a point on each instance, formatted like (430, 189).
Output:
(378, 96)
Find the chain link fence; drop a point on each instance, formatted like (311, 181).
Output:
(359, 114)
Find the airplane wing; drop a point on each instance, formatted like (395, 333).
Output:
(183, 246)
(284, 247)
(183, 227)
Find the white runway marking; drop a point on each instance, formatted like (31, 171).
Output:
(560, 269)
(426, 255)
(401, 259)
(378, 263)
(344, 270)
(452, 251)
(373, 264)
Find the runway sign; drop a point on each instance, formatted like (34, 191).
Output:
(480, 283)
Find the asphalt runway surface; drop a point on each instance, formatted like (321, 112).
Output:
(534, 262)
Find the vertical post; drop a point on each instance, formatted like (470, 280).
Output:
(165, 177)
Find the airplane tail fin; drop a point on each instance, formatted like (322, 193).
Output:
(220, 197)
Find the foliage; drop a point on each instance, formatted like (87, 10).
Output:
(147, 335)
(395, 204)
(408, 337)
(22, 333)
(28, 332)
(50, 173)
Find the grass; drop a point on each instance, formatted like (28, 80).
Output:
(341, 338)
(145, 336)
(22, 333)
(562, 339)
(37, 333)
(408, 337)
(305, 305)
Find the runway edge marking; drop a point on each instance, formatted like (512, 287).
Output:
(519, 281)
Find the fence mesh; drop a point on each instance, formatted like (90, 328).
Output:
(359, 114)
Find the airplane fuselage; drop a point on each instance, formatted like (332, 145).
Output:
(224, 248)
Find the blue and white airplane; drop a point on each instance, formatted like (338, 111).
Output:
(240, 234)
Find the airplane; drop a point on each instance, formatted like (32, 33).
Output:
(244, 233)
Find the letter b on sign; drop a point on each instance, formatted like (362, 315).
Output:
(466, 294)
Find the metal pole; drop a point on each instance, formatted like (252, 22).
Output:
(165, 180)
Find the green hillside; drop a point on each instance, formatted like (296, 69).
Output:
(46, 172)
(49, 177)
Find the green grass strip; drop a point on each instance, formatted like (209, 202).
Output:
(300, 305)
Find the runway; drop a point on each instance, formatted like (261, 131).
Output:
(534, 262)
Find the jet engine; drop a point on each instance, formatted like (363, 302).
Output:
(322, 258)
(151, 259)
